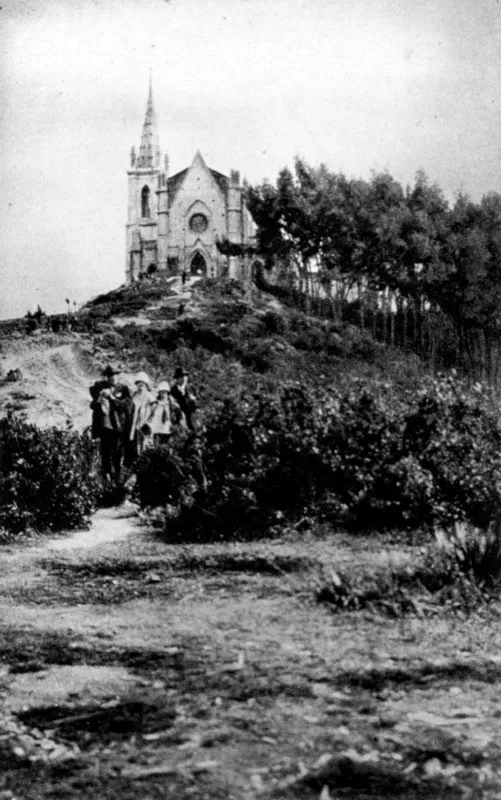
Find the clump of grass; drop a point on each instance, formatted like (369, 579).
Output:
(459, 571)
(388, 592)
(476, 553)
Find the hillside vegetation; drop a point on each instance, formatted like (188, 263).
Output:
(300, 418)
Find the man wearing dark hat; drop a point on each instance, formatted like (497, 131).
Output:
(111, 418)
(184, 396)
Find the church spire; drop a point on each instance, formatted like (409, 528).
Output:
(149, 149)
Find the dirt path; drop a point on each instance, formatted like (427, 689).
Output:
(132, 669)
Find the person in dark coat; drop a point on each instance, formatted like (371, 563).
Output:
(184, 396)
(111, 420)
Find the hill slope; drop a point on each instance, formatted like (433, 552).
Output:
(226, 334)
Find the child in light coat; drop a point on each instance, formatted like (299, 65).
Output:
(160, 420)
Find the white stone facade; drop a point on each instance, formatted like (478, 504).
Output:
(174, 222)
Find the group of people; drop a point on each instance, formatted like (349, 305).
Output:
(126, 423)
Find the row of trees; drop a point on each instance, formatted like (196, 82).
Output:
(404, 253)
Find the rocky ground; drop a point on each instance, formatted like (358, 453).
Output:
(134, 669)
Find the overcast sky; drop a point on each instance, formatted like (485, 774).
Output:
(358, 84)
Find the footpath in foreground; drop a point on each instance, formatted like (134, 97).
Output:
(130, 669)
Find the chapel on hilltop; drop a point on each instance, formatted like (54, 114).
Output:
(173, 221)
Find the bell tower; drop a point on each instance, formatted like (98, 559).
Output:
(142, 214)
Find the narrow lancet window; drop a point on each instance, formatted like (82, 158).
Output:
(145, 202)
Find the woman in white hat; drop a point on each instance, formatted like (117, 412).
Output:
(160, 420)
(140, 433)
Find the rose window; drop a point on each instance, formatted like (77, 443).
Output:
(198, 223)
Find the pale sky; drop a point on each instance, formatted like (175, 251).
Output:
(360, 85)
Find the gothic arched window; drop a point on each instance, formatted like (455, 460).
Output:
(145, 202)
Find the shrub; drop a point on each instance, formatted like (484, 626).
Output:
(313, 340)
(48, 478)
(456, 435)
(164, 475)
(229, 313)
(275, 323)
(404, 494)
(198, 332)
(422, 461)
(361, 457)
(166, 339)
(258, 355)
(112, 340)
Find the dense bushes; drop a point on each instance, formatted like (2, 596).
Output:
(353, 457)
(48, 478)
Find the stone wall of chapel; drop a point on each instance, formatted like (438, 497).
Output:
(199, 193)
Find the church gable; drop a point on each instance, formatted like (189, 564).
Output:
(197, 181)
(198, 206)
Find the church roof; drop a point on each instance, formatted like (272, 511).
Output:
(222, 181)
(175, 181)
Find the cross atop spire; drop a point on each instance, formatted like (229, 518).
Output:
(149, 149)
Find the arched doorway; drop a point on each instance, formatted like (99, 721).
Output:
(198, 265)
(257, 272)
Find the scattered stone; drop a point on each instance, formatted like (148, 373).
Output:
(342, 731)
(257, 783)
(185, 767)
(47, 744)
(432, 767)
(322, 761)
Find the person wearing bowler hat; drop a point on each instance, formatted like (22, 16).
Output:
(111, 416)
(159, 420)
(184, 396)
(140, 431)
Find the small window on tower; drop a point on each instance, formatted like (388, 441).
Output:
(145, 202)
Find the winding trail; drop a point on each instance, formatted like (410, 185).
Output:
(108, 526)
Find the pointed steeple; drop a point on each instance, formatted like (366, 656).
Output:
(198, 161)
(149, 149)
